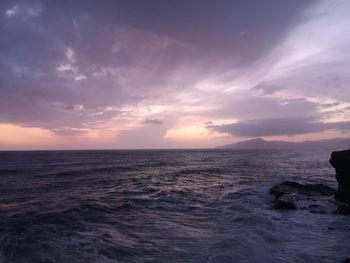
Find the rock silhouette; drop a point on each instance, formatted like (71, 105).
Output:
(340, 160)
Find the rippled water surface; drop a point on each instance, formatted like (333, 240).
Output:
(163, 206)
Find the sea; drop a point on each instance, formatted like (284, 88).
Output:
(164, 206)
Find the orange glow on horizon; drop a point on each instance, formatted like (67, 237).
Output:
(13, 136)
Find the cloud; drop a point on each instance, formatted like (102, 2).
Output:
(145, 137)
(220, 37)
(23, 9)
(12, 11)
(153, 121)
(244, 105)
(68, 132)
(267, 88)
(72, 66)
(276, 127)
(314, 58)
(64, 86)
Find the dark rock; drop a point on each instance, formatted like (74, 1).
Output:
(290, 195)
(340, 160)
(285, 201)
(306, 190)
(343, 209)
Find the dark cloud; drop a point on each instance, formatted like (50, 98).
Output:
(153, 121)
(239, 30)
(68, 132)
(53, 101)
(275, 127)
(69, 65)
(329, 105)
(267, 88)
(252, 107)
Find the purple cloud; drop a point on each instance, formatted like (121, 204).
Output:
(278, 127)
(153, 121)
(71, 66)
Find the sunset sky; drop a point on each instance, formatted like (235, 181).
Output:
(172, 74)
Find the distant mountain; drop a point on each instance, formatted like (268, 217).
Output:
(259, 143)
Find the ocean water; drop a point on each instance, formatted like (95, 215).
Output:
(163, 206)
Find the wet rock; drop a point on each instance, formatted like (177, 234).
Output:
(343, 209)
(285, 201)
(340, 160)
(301, 190)
(292, 195)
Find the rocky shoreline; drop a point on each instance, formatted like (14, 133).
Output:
(318, 198)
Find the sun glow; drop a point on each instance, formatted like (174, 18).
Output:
(13, 136)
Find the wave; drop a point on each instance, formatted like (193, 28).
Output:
(178, 206)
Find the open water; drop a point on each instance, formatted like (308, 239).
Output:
(163, 206)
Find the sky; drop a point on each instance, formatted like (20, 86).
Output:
(128, 74)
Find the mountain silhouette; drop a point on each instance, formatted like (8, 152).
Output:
(259, 143)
